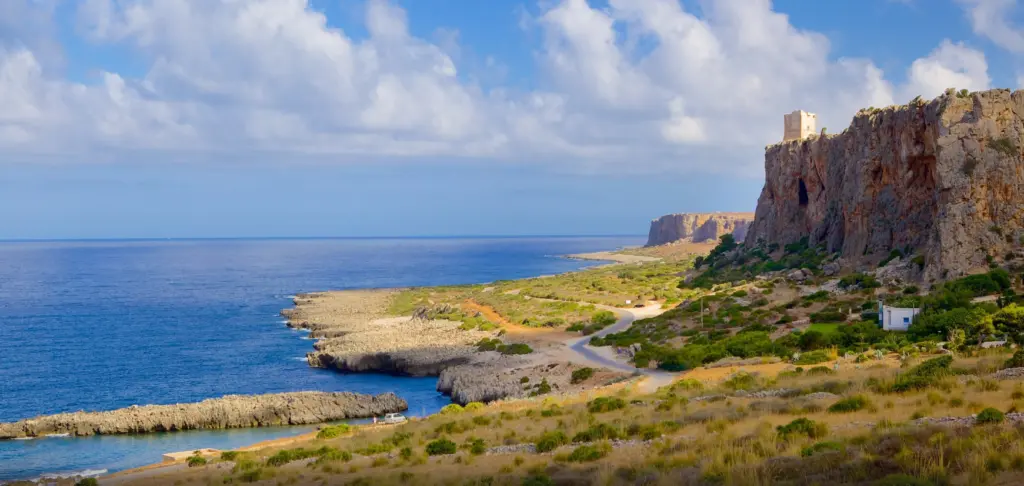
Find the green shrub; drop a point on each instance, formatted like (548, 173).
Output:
(515, 348)
(196, 460)
(802, 427)
(827, 315)
(550, 441)
(597, 432)
(285, 456)
(821, 370)
(474, 407)
(821, 447)
(581, 375)
(487, 344)
(851, 404)
(741, 380)
(256, 475)
(87, 482)
(333, 431)
(477, 446)
(923, 375)
(332, 454)
(990, 416)
(1017, 361)
(228, 455)
(739, 293)
(605, 404)
(541, 388)
(587, 453)
(859, 280)
(603, 318)
(525, 379)
(451, 409)
(441, 447)
(1004, 146)
(813, 357)
(688, 384)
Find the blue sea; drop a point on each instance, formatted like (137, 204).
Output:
(100, 325)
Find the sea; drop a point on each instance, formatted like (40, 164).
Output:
(105, 324)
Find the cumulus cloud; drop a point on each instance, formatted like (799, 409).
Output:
(635, 85)
(948, 66)
(989, 18)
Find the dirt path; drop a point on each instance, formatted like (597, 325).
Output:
(571, 347)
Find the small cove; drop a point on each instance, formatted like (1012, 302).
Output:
(98, 325)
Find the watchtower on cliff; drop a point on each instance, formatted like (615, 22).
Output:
(799, 125)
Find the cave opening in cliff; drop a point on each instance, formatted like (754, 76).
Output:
(803, 193)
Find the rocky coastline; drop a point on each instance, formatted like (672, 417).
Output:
(698, 227)
(228, 412)
(355, 334)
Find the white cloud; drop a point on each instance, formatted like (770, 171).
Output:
(989, 19)
(639, 84)
(948, 66)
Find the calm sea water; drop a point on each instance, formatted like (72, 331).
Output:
(100, 325)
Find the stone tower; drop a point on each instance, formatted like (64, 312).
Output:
(799, 125)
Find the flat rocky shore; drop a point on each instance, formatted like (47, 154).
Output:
(354, 333)
(229, 412)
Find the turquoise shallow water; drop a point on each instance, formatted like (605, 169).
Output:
(99, 325)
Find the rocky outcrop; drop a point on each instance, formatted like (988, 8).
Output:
(698, 227)
(229, 412)
(940, 180)
(355, 335)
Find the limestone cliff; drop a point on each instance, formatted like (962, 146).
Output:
(942, 178)
(698, 227)
(232, 411)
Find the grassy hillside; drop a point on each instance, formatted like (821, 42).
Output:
(813, 425)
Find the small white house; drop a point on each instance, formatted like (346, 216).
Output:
(896, 318)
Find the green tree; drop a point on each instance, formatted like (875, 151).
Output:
(1010, 319)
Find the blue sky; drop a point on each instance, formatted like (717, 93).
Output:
(206, 118)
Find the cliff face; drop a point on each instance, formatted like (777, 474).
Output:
(698, 227)
(942, 178)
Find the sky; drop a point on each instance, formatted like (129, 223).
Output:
(249, 118)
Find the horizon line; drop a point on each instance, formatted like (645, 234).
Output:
(237, 238)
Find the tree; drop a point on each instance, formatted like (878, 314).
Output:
(1010, 319)
(974, 322)
(956, 339)
(811, 340)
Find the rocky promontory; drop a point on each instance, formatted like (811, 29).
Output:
(355, 334)
(698, 227)
(229, 412)
(939, 181)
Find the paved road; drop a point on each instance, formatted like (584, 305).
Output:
(605, 356)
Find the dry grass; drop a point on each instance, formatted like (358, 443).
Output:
(727, 441)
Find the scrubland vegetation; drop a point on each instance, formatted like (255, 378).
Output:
(561, 301)
(814, 391)
(936, 420)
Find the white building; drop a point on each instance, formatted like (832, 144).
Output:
(799, 125)
(896, 318)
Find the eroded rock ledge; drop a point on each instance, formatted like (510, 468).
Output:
(229, 412)
(354, 334)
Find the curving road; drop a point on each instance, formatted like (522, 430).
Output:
(605, 356)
